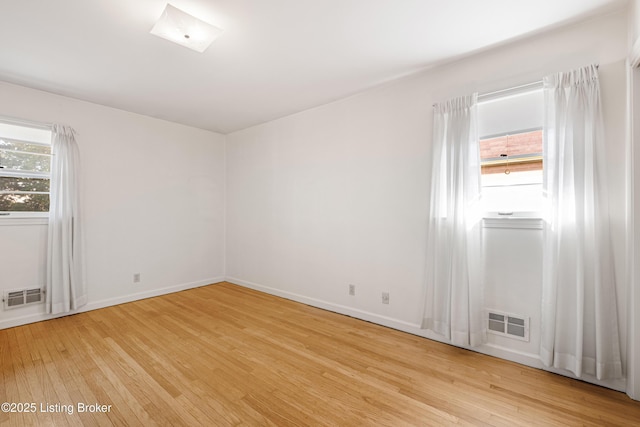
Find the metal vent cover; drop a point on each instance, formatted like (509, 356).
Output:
(19, 297)
(508, 325)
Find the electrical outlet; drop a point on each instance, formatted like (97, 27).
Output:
(352, 289)
(385, 297)
(136, 278)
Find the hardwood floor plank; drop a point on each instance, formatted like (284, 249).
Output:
(227, 355)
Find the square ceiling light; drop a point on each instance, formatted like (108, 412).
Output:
(186, 30)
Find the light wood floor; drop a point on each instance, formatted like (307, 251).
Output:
(225, 355)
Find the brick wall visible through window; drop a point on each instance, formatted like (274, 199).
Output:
(523, 153)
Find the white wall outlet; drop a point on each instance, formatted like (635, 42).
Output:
(136, 278)
(352, 289)
(385, 297)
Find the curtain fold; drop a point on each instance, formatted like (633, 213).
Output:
(579, 314)
(453, 304)
(65, 287)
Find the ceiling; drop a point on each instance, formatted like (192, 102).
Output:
(276, 57)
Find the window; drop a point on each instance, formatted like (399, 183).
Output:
(25, 166)
(510, 128)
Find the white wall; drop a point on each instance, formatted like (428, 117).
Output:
(153, 203)
(338, 194)
(634, 21)
(633, 74)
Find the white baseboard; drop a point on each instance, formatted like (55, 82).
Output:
(94, 305)
(336, 308)
(523, 358)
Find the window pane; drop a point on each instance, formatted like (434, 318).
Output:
(515, 198)
(512, 153)
(25, 133)
(8, 144)
(17, 160)
(511, 114)
(25, 165)
(24, 202)
(24, 184)
(512, 172)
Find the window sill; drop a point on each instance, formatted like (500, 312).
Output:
(18, 218)
(522, 220)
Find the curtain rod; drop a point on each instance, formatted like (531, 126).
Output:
(487, 96)
(512, 90)
(509, 91)
(28, 123)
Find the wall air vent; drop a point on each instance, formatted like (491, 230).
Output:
(20, 297)
(509, 325)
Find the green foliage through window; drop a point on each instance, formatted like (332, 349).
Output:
(25, 167)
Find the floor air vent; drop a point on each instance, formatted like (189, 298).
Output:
(20, 297)
(509, 325)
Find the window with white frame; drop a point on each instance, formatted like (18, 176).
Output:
(25, 168)
(510, 128)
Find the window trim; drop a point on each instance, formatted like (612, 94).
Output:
(31, 218)
(533, 220)
(26, 123)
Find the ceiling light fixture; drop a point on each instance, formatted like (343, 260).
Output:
(186, 30)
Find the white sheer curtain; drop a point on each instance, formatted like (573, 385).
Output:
(453, 304)
(579, 314)
(65, 287)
